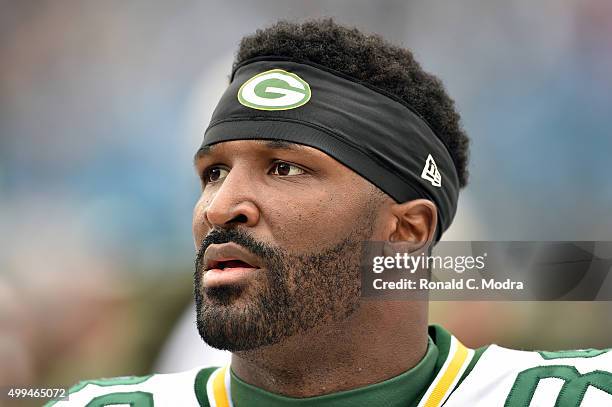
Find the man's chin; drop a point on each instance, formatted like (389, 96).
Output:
(234, 336)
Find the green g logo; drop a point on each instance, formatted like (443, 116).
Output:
(274, 90)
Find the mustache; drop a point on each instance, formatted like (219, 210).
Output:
(237, 236)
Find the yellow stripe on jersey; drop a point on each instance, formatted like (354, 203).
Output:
(456, 362)
(218, 388)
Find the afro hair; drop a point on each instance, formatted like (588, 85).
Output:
(371, 60)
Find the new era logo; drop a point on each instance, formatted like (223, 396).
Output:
(431, 173)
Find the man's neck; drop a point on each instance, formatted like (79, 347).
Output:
(379, 341)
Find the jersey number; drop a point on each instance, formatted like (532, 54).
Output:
(574, 387)
(132, 399)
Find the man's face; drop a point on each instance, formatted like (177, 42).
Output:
(279, 228)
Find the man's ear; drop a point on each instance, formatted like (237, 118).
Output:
(415, 221)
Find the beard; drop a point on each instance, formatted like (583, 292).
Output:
(294, 293)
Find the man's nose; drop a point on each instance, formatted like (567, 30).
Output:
(233, 201)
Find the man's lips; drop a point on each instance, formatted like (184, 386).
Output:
(228, 263)
(227, 276)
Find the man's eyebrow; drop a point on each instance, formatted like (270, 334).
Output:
(205, 151)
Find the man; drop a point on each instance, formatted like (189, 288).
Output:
(327, 138)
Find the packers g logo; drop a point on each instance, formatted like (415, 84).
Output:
(274, 90)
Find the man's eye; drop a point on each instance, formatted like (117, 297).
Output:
(284, 169)
(215, 174)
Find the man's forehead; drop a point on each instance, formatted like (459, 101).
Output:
(227, 146)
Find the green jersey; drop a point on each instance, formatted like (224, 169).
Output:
(449, 374)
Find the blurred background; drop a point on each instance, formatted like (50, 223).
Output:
(103, 104)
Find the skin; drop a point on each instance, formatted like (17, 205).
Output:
(298, 198)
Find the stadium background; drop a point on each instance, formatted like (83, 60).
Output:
(102, 105)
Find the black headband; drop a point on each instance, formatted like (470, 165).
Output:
(364, 128)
